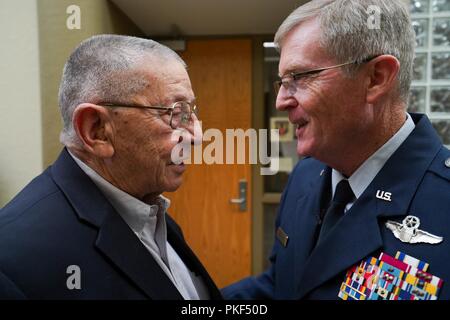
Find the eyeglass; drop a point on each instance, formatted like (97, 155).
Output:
(289, 80)
(180, 112)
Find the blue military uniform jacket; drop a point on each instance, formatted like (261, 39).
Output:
(418, 177)
(62, 219)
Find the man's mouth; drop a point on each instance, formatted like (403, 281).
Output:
(301, 123)
(176, 164)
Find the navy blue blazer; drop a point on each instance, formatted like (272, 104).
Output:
(419, 181)
(60, 219)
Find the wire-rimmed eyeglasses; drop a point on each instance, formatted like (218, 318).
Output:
(180, 112)
(290, 80)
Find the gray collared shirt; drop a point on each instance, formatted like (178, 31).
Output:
(364, 175)
(149, 225)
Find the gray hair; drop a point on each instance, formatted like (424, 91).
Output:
(106, 68)
(346, 36)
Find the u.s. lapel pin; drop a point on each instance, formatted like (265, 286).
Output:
(383, 195)
(408, 231)
(282, 237)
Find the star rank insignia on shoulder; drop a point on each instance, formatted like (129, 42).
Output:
(388, 278)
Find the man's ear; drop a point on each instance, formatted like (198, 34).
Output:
(93, 126)
(382, 72)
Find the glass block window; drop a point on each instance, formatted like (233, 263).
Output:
(430, 92)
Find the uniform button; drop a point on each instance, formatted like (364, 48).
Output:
(447, 163)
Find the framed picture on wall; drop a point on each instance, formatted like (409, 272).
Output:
(284, 127)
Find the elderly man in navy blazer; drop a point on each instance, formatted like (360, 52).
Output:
(366, 215)
(94, 224)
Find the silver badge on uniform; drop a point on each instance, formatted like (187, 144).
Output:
(408, 231)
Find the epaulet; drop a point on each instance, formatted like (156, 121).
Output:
(441, 164)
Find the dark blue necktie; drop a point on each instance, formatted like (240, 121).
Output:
(342, 196)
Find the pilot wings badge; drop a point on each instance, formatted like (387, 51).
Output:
(408, 231)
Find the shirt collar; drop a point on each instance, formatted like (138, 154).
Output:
(364, 175)
(135, 212)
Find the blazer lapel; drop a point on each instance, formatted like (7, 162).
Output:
(120, 244)
(115, 239)
(189, 258)
(357, 234)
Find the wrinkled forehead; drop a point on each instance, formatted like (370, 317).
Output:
(168, 82)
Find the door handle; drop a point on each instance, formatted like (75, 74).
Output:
(242, 200)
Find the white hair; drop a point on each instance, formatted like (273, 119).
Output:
(106, 68)
(346, 36)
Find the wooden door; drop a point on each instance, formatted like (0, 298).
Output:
(218, 232)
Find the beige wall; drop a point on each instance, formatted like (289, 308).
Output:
(35, 46)
(20, 116)
(57, 42)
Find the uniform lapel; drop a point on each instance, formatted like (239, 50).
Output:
(309, 211)
(357, 234)
(354, 237)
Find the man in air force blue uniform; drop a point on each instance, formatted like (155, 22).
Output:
(375, 180)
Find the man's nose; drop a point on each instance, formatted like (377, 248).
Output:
(285, 100)
(194, 132)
